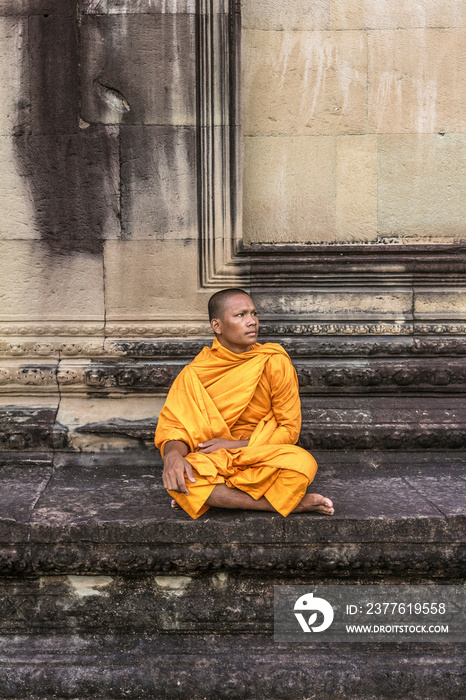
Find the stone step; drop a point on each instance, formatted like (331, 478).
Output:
(238, 667)
(82, 513)
(106, 592)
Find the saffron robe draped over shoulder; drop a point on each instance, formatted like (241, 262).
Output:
(249, 396)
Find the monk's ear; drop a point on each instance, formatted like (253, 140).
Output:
(216, 326)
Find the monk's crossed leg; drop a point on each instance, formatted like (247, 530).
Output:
(281, 477)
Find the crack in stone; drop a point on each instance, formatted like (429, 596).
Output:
(114, 97)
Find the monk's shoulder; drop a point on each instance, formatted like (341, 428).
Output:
(278, 357)
(203, 357)
(273, 349)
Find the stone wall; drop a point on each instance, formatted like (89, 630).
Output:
(353, 121)
(121, 164)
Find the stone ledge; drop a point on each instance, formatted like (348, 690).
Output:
(237, 667)
(360, 423)
(104, 514)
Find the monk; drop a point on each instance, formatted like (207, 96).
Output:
(228, 429)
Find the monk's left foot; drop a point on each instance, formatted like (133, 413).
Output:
(175, 505)
(314, 502)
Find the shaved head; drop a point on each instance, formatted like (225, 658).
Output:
(219, 301)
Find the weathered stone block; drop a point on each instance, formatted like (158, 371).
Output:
(396, 14)
(422, 187)
(275, 15)
(30, 7)
(289, 189)
(350, 304)
(103, 422)
(28, 424)
(234, 666)
(158, 182)
(37, 285)
(53, 73)
(138, 68)
(21, 489)
(356, 188)
(13, 81)
(304, 82)
(93, 6)
(17, 215)
(142, 6)
(445, 303)
(74, 182)
(153, 279)
(416, 81)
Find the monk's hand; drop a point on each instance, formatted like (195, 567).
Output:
(220, 444)
(174, 469)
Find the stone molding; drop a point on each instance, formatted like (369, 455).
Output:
(49, 436)
(57, 342)
(219, 150)
(224, 259)
(329, 365)
(331, 375)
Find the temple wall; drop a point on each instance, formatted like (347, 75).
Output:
(353, 121)
(135, 182)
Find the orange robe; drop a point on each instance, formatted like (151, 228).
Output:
(253, 395)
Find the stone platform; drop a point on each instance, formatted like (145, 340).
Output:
(106, 592)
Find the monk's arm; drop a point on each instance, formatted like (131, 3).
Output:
(175, 466)
(286, 403)
(219, 443)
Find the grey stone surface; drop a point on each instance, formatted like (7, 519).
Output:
(34, 7)
(112, 516)
(158, 182)
(19, 492)
(25, 429)
(138, 69)
(76, 187)
(141, 6)
(52, 69)
(209, 667)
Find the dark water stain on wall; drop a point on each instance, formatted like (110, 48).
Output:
(71, 170)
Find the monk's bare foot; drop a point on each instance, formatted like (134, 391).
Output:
(314, 502)
(175, 505)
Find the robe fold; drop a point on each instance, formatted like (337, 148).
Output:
(249, 396)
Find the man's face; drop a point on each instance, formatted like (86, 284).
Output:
(239, 326)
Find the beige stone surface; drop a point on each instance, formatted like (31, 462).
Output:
(37, 285)
(152, 279)
(289, 189)
(445, 304)
(16, 206)
(290, 16)
(417, 81)
(42, 401)
(371, 304)
(394, 14)
(356, 188)
(75, 412)
(13, 39)
(304, 82)
(422, 187)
